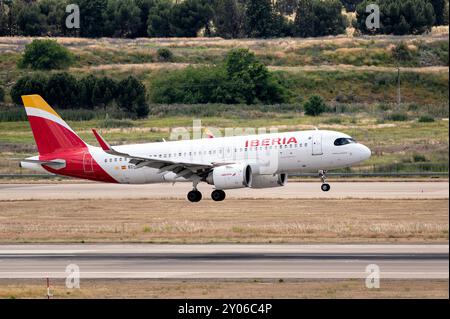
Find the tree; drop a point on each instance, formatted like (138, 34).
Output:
(304, 19)
(439, 10)
(248, 80)
(55, 16)
(86, 88)
(398, 17)
(229, 19)
(62, 90)
(34, 84)
(45, 55)
(31, 21)
(319, 18)
(315, 106)
(2, 94)
(123, 18)
(131, 97)
(328, 18)
(159, 19)
(145, 6)
(350, 5)
(92, 17)
(259, 18)
(286, 7)
(188, 17)
(103, 92)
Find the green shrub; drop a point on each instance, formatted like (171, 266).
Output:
(2, 94)
(115, 123)
(413, 107)
(164, 55)
(417, 158)
(33, 84)
(240, 79)
(426, 119)
(315, 106)
(333, 120)
(398, 117)
(401, 53)
(383, 107)
(12, 114)
(131, 97)
(45, 55)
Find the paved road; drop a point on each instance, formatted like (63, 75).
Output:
(224, 261)
(374, 190)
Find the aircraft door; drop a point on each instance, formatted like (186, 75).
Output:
(87, 163)
(317, 144)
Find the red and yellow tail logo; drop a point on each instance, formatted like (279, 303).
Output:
(51, 133)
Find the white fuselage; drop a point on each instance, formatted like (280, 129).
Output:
(268, 154)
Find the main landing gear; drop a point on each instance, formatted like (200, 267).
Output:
(218, 195)
(323, 176)
(195, 196)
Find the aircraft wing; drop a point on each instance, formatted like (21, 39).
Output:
(183, 169)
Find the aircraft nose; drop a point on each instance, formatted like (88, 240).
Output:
(365, 152)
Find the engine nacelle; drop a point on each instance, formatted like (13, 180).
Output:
(231, 176)
(267, 181)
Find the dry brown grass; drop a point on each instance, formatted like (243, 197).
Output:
(147, 288)
(252, 221)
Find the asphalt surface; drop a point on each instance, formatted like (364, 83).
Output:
(225, 261)
(369, 190)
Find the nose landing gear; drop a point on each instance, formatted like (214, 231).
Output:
(325, 187)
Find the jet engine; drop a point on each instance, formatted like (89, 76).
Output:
(231, 176)
(266, 181)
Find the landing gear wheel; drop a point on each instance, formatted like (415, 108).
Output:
(194, 196)
(325, 187)
(218, 195)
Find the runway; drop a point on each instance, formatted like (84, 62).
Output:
(372, 190)
(225, 261)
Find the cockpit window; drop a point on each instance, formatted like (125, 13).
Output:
(344, 141)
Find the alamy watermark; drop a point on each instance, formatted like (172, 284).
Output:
(373, 19)
(373, 276)
(73, 276)
(73, 19)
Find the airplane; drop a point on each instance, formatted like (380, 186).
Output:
(254, 161)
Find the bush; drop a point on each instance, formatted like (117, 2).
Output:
(401, 53)
(62, 91)
(315, 106)
(426, 119)
(45, 55)
(164, 55)
(398, 117)
(115, 123)
(34, 84)
(417, 158)
(241, 78)
(131, 97)
(2, 94)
